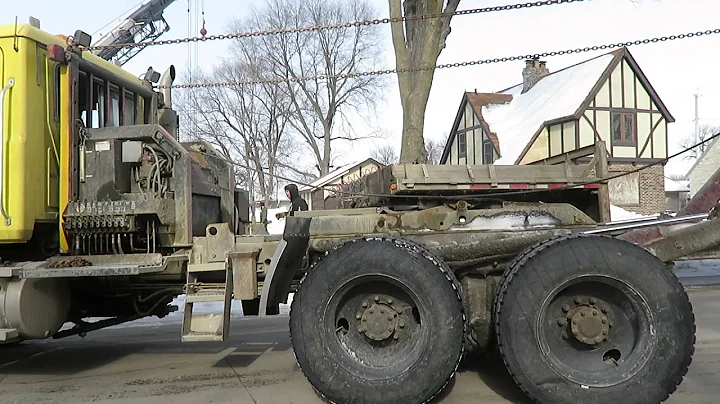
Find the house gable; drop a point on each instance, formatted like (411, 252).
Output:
(705, 167)
(470, 140)
(621, 102)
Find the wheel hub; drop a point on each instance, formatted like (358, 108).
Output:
(589, 325)
(379, 320)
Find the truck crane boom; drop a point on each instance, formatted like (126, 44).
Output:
(145, 24)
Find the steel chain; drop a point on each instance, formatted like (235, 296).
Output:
(456, 64)
(353, 24)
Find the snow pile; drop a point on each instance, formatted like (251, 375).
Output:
(557, 95)
(617, 213)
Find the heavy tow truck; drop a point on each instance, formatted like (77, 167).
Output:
(105, 213)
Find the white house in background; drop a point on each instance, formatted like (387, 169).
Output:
(705, 167)
(319, 195)
(677, 194)
(605, 98)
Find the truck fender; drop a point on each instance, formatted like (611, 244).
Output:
(286, 260)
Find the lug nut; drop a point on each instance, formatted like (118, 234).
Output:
(574, 322)
(598, 340)
(565, 335)
(400, 310)
(594, 312)
(391, 328)
(377, 298)
(578, 300)
(561, 322)
(365, 305)
(371, 311)
(390, 301)
(390, 318)
(396, 336)
(604, 311)
(358, 316)
(565, 308)
(361, 330)
(592, 300)
(604, 320)
(382, 311)
(401, 324)
(604, 332)
(582, 313)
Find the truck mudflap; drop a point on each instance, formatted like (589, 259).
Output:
(286, 260)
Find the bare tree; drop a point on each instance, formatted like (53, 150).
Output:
(385, 154)
(323, 107)
(434, 149)
(246, 123)
(704, 133)
(678, 177)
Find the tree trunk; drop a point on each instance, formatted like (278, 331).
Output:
(414, 104)
(417, 46)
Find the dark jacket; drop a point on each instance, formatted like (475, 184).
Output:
(297, 203)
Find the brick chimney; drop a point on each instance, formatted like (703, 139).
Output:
(532, 73)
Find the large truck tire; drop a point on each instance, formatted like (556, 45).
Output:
(592, 319)
(378, 320)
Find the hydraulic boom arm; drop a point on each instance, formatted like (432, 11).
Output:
(145, 24)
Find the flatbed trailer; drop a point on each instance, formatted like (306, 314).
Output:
(426, 265)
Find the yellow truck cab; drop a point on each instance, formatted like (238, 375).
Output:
(43, 102)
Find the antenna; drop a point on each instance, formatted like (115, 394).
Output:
(15, 36)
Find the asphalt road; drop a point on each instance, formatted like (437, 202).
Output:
(149, 365)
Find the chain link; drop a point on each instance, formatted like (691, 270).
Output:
(353, 24)
(450, 65)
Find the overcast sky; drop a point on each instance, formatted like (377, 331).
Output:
(677, 69)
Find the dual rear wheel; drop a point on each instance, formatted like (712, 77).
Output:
(581, 319)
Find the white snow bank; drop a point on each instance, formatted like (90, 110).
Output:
(276, 226)
(617, 213)
(557, 95)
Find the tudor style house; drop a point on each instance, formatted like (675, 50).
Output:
(605, 98)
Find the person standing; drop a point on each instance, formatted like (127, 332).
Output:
(297, 203)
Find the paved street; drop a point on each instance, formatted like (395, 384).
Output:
(147, 365)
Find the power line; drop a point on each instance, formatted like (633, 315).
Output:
(336, 26)
(489, 195)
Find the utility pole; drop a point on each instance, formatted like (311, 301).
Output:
(697, 120)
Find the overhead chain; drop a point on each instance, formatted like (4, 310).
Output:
(450, 65)
(333, 26)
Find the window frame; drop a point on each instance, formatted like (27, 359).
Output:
(462, 146)
(624, 139)
(488, 150)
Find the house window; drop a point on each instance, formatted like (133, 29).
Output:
(623, 129)
(487, 152)
(462, 144)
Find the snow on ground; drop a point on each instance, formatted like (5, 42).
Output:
(555, 96)
(617, 213)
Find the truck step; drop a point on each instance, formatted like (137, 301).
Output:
(207, 327)
(205, 297)
(7, 334)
